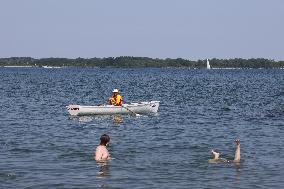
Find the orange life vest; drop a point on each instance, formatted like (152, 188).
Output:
(116, 100)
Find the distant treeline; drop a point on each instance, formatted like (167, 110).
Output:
(136, 62)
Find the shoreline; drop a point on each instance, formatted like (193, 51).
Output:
(142, 62)
(58, 67)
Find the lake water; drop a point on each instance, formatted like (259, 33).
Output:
(41, 146)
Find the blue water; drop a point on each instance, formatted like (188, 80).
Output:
(41, 146)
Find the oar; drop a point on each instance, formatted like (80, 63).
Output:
(131, 111)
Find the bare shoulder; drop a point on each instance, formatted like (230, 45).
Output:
(98, 148)
(220, 160)
(212, 161)
(101, 148)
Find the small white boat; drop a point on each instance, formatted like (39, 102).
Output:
(50, 67)
(132, 108)
(208, 65)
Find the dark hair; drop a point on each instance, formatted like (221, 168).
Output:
(216, 150)
(104, 139)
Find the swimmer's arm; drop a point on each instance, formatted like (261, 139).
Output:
(98, 154)
(238, 151)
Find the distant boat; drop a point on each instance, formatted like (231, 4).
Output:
(18, 66)
(50, 67)
(208, 65)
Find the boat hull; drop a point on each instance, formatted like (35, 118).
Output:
(133, 108)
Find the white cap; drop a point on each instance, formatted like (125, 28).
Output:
(115, 91)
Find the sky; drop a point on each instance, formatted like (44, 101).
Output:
(190, 29)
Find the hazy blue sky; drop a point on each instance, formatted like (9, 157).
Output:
(191, 29)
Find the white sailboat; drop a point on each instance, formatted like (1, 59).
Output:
(208, 65)
(48, 67)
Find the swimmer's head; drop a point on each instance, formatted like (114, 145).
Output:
(215, 153)
(104, 139)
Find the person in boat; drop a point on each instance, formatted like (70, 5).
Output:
(116, 99)
(237, 159)
(102, 153)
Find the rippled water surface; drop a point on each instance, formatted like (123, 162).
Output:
(41, 146)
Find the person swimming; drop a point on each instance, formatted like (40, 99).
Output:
(102, 153)
(217, 159)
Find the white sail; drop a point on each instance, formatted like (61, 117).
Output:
(208, 65)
